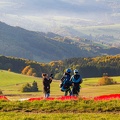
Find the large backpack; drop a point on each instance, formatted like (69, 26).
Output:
(74, 80)
(66, 83)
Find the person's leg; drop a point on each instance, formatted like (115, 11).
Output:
(77, 91)
(66, 93)
(45, 95)
(73, 91)
(48, 94)
(70, 92)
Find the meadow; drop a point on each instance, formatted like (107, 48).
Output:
(15, 109)
(11, 85)
(58, 116)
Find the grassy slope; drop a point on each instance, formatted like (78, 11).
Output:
(11, 84)
(81, 110)
(90, 89)
(58, 116)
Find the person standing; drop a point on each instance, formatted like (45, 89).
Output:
(66, 83)
(76, 80)
(46, 84)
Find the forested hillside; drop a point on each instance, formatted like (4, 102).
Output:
(18, 42)
(88, 67)
(46, 47)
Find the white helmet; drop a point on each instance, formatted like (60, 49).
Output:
(75, 71)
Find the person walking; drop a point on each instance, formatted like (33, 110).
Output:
(66, 83)
(76, 80)
(46, 84)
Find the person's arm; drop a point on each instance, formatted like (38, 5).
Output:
(50, 79)
(62, 78)
(72, 80)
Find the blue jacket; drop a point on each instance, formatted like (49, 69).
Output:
(76, 79)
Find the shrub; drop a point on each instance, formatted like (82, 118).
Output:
(26, 88)
(34, 87)
(30, 88)
(105, 80)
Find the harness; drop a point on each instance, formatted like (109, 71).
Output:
(66, 83)
(74, 80)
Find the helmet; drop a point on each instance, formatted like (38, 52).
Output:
(68, 70)
(75, 71)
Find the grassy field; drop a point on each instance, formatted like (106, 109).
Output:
(77, 110)
(58, 116)
(11, 84)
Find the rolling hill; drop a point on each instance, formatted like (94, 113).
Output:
(18, 42)
(45, 47)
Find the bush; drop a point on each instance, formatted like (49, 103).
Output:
(34, 87)
(105, 80)
(30, 88)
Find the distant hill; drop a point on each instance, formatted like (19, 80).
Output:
(18, 42)
(45, 47)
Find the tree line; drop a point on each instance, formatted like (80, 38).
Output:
(88, 67)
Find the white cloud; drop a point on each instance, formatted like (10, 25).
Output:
(78, 2)
(74, 1)
(30, 15)
(6, 4)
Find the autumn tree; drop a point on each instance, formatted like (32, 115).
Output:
(28, 70)
(25, 70)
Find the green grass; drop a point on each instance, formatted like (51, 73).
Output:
(58, 116)
(11, 84)
(81, 109)
(90, 88)
(73, 106)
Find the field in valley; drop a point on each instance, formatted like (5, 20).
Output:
(11, 84)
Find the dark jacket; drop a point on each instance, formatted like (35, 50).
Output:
(46, 85)
(66, 76)
(65, 81)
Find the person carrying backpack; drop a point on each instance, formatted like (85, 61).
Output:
(65, 82)
(76, 80)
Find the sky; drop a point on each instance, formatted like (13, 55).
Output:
(44, 15)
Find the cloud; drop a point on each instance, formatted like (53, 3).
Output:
(5, 4)
(10, 7)
(60, 7)
(51, 13)
(74, 1)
